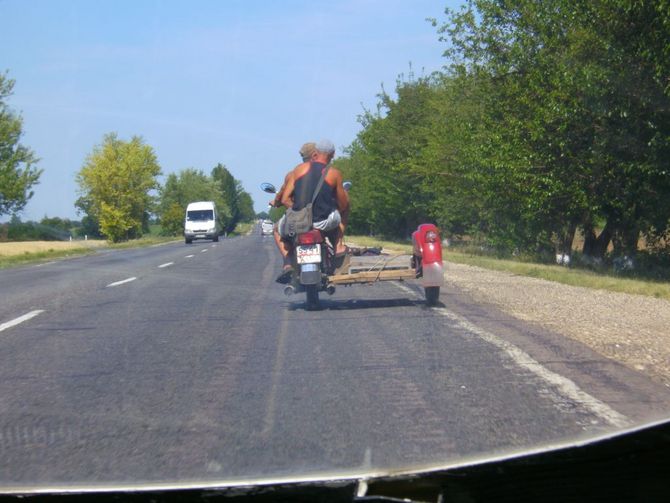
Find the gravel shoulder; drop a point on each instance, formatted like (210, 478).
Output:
(631, 329)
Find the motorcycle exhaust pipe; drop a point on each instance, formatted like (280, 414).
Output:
(289, 290)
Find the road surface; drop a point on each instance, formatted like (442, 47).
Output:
(186, 363)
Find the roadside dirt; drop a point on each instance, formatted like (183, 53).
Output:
(22, 247)
(631, 329)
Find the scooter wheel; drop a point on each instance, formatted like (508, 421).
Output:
(432, 295)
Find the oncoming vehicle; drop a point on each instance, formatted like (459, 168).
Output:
(266, 227)
(201, 222)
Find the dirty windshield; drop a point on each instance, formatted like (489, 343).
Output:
(471, 254)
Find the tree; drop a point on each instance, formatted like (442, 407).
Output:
(18, 173)
(384, 163)
(228, 189)
(245, 206)
(577, 118)
(239, 201)
(115, 184)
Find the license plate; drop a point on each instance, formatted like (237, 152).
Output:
(308, 254)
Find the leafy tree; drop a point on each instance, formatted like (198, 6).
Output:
(576, 119)
(236, 198)
(90, 226)
(115, 184)
(388, 196)
(18, 173)
(228, 189)
(245, 206)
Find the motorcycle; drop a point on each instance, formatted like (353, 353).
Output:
(316, 268)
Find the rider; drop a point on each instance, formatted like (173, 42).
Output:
(332, 201)
(306, 152)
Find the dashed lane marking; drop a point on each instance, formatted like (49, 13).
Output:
(20, 319)
(189, 256)
(203, 251)
(123, 281)
(167, 264)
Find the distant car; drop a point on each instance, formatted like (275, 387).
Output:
(266, 227)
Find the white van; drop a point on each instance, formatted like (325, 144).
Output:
(201, 222)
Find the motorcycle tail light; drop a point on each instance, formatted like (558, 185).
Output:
(309, 238)
(432, 237)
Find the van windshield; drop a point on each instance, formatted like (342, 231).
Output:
(199, 215)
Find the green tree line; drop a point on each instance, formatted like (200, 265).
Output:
(120, 191)
(548, 118)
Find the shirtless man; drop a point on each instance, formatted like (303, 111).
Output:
(306, 152)
(331, 206)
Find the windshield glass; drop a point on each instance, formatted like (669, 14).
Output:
(495, 279)
(200, 215)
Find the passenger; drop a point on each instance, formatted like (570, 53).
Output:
(306, 152)
(331, 203)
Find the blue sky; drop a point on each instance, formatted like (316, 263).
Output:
(243, 83)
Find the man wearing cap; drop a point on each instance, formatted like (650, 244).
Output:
(306, 152)
(331, 205)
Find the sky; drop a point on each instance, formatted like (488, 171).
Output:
(239, 82)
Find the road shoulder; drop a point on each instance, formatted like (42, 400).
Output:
(630, 329)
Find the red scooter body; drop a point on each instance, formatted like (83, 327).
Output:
(428, 255)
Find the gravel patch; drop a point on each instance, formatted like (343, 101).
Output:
(631, 329)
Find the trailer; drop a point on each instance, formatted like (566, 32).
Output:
(423, 264)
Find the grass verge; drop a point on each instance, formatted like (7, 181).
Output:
(25, 258)
(559, 274)
(144, 242)
(15, 254)
(242, 229)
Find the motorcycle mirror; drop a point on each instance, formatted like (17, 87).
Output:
(347, 185)
(269, 188)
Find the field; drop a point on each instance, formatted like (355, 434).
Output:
(31, 247)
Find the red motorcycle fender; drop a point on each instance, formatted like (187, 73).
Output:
(426, 243)
(428, 247)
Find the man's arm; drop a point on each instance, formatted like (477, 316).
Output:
(341, 195)
(278, 197)
(287, 194)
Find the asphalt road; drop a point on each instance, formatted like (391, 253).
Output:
(186, 363)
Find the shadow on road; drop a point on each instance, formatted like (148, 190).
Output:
(350, 305)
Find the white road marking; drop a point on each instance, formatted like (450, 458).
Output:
(117, 283)
(167, 264)
(45, 263)
(189, 256)
(20, 319)
(565, 387)
(203, 251)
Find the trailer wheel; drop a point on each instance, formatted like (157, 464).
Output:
(432, 295)
(312, 292)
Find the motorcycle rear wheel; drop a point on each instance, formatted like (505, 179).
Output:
(312, 293)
